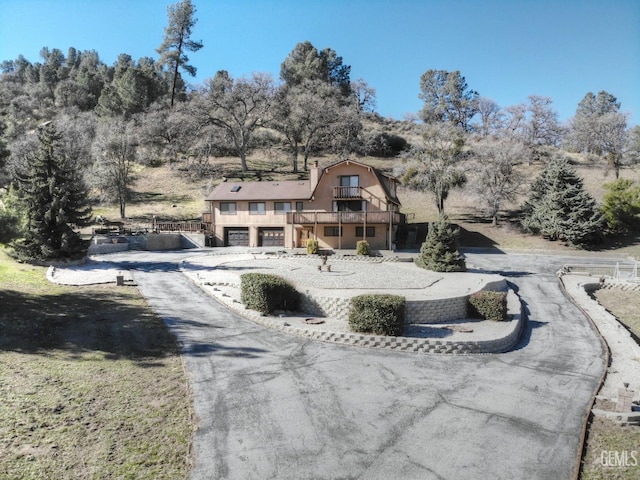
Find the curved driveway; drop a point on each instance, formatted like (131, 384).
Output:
(273, 406)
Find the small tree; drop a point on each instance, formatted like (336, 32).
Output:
(621, 205)
(115, 154)
(560, 208)
(440, 252)
(497, 181)
(55, 200)
(436, 168)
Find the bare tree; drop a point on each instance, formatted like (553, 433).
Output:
(496, 178)
(491, 117)
(115, 154)
(237, 106)
(436, 166)
(305, 113)
(364, 94)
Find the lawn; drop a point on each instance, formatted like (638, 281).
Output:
(92, 384)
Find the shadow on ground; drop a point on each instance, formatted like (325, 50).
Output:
(114, 321)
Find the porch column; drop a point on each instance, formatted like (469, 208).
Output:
(390, 244)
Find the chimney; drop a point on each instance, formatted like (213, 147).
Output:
(314, 175)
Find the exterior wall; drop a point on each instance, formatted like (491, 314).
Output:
(371, 191)
(295, 235)
(349, 239)
(242, 218)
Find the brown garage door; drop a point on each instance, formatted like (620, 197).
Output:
(271, 237)
(236, 237)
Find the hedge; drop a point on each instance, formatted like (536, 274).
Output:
(265, 293)
(488, 305)
(378, 314)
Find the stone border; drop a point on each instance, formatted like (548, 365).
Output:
(404, 344)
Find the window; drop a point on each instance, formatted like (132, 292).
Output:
(349, 180)
(227, 208)
(299, 206)
(371, 232)
(349, 187)
(257, 208)
(332, 231)
(280, 208)
(350, 206)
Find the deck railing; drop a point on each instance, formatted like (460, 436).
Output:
(347, 192)
(308, 218)
(179, 227)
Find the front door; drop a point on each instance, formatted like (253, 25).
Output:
(304, 234)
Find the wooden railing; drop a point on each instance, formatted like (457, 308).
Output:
(334, 218)
(347, 192)
(179, 227)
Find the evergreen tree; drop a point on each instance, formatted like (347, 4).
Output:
(621, 205)
(440, 252)
(177, 41)
(55, 199)
(560, 208)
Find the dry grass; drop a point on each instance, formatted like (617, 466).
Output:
(92, 384)
(170, 194)
(604, 435)
(608, 444)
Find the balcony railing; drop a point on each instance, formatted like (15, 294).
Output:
(334, 218)
(347, 192)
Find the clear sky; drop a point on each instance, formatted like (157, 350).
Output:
(506, 49)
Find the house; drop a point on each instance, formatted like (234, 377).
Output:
(338, 205)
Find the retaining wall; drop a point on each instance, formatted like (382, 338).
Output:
(440, 310)
(408, 344)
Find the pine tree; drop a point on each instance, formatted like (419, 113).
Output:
(440, 252)
(55, 199)
(177, 41)
(560, 208)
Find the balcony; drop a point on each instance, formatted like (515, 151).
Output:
(336, 218)
(347, 192)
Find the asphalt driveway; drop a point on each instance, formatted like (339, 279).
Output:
(269, 405)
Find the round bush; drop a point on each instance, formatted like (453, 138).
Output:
(378, 314)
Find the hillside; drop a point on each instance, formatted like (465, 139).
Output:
(171, 194)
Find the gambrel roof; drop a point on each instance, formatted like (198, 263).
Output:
(291, 189)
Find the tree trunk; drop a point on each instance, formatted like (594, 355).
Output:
(294, 157)
(243, 161)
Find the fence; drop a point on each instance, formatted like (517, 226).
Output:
(625, 271)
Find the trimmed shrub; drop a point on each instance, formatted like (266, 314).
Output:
(363, 248)
(488, 305)
(265, 293)
(312, 246)
(378, 314)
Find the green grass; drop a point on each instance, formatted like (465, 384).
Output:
(92, 384)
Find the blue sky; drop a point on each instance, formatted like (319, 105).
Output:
(506, 49)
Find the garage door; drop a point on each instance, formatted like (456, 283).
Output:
(236, 237)
(271, 237)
